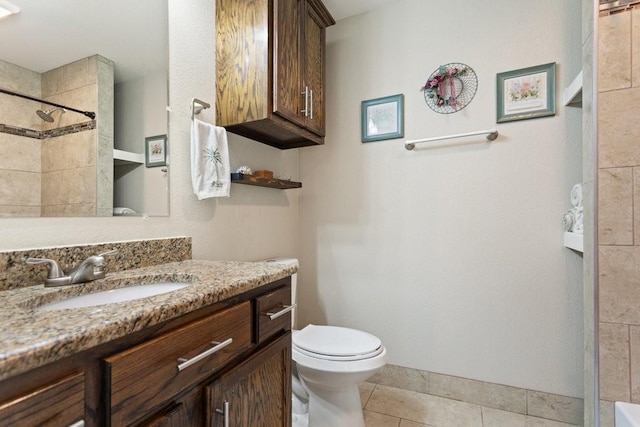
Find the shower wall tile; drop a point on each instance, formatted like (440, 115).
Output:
(67, 77)
(80, 209)
(636, 205)
(619, 289)
(497, 396)
(635, 362)
(105, 87)
(20, 79)
(23, 191)
(83, 98)
(615, 206)
(19, 153)
(588, 130)
(617, 140)
(552, 406)
(105, 176)
(614, 52)
(20, 211)
(606, 414)
(76, 150)
(71, 186)
(614, 362)
(635, 46)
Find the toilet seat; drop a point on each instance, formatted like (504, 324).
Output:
(336, 343)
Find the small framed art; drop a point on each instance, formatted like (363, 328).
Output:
(382, 118)
(527, 93)
(155, 150)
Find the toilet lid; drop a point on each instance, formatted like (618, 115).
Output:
(337, 343)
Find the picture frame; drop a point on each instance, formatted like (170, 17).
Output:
(382, 118)
(155, 151)
(527, 93)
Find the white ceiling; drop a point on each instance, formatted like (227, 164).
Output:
(48, 34)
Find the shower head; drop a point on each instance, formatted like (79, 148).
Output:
(46, 115)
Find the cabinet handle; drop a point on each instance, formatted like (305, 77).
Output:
(286, 308)
(306, 101)
(77, 424)
(185, 363)
(224, 412)
(311, 104)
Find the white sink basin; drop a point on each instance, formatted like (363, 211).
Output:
(627, 414)
(114, 295)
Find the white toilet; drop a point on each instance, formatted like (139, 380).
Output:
(330, 362)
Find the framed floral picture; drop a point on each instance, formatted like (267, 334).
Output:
(527, 93)
(155, 150)
(382, 118)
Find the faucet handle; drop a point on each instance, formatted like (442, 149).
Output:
(98, 268)
(56, 276)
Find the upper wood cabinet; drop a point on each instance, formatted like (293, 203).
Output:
(270, 70)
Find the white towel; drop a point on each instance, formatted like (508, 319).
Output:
(576, 195)
(210, 174)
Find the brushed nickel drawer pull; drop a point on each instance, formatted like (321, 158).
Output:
(185, 363)
(286, 309)
(224, 412)
(306, 101)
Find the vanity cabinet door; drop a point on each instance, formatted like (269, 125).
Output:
(147, 376)
(255, 393)
(57, 404)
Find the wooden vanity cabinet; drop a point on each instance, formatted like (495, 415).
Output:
(270, 70)
(136, 380)
(60, 403)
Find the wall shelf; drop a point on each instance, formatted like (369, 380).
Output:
(121, 157)
(574, 241)
(573, 94)
(282, 184)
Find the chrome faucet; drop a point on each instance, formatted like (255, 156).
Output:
(90, 269)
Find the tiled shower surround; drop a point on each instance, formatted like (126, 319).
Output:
(619, 209)
(64, 168)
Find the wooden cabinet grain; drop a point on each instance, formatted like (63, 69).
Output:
(136, 380)
(270, 70)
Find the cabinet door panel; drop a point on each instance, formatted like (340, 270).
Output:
(314, 69)
(258, 390)
(287, 72)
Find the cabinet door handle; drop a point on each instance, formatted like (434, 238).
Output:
(286, 308)
(224, 412)
(311, 104)
(185, 363)
(306, 101)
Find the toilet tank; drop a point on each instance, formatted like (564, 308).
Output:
(294, 283)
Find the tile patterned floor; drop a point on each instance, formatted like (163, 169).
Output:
(386, 406)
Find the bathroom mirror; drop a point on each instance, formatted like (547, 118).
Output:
(64, 39)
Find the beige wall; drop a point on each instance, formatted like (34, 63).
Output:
(619, 208)
(453, 256)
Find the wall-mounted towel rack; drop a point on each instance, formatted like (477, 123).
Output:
(491, 135)
(197, 106)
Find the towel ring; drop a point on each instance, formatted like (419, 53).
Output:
(196, 109)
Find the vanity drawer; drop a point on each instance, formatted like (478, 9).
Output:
(59, 403)
(144, 376)
(273, 311)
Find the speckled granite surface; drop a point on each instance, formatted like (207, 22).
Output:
(14, 273)
(29, 338)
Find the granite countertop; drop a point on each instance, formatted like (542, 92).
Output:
(30, 339)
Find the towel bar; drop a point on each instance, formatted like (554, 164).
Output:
(196, 109)
(491, 135)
